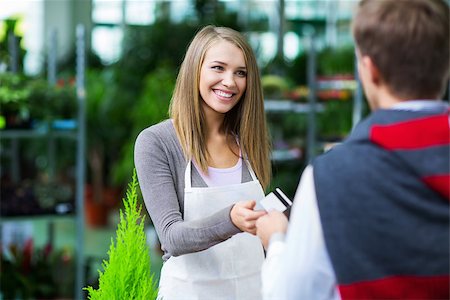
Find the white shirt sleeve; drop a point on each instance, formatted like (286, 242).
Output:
(300, 267)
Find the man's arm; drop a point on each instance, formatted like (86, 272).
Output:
(299, 267)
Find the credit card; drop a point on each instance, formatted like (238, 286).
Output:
(275, 200)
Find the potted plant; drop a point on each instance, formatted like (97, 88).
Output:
(9, 30)
(14, 95)
(100, 194)
(127, 276)
(28, 272)
(51, 105)
(27, 100)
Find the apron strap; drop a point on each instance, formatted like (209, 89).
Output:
(187, 175)
(250, 170)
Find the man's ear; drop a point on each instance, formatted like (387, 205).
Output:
(372, 70)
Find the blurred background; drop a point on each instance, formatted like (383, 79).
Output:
(79, 79)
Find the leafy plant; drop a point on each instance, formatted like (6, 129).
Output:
(150, 108)
(127, 273)
(336, 121)
(47, 103)
(35, 273)
(274, 86)
(332, 61)
(8, 27)
(100, 131)
(297, 69)
(14, 94)
(25, 98)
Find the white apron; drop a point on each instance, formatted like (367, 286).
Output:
(229, 270)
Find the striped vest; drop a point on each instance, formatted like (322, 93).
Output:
(383, 198)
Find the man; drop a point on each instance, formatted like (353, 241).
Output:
(371, 217)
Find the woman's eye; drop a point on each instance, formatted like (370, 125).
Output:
(241, 73)
(217, 68)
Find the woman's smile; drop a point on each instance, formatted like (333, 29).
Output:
(223, 77)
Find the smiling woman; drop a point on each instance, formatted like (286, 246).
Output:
(201, 171)
(223, 77)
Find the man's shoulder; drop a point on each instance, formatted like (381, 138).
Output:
(352, 158)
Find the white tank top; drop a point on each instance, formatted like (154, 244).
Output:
(221, 177)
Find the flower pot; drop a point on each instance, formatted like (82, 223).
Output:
(96, 212)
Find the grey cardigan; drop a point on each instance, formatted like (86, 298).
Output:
(160, 166)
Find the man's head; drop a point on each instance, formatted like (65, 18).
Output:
(404, 45)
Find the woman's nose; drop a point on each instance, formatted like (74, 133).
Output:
(228, 79)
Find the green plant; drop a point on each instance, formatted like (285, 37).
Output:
(127, 273)
(99, 131)
(35, 273)
(297, 69)
(336, 121)
(150, 108)
(274, 86)
(11, 26)
(332, 61)
(14, 94)
(32, 98)
(48, 103)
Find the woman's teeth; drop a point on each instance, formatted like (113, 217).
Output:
(223, 94)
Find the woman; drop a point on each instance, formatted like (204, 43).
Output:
(201, 171)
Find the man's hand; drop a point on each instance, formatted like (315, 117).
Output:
(244, 217)
(269, 224)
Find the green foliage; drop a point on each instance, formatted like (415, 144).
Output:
(150, 108)
(103, 129)
(274, 86)
(336, 121)
(36, 273)
(35, 98)
(296, 70)
(48, 102)
(294, 124)
(215, 12)
(127, 273)
(332, 61)
(287, 175)
(143, 45)
(100, 127)
(13, 93)
(10, 26)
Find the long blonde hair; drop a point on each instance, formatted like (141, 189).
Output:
(246, 120)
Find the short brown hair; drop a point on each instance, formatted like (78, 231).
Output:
(408, 40)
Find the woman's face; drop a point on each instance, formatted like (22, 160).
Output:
(223, 78)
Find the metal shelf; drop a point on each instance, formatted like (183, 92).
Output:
(291, 106)
(286, 155)
(37, 133)
(75, 133)
(286, 106)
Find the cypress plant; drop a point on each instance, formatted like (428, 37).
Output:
(126, 273)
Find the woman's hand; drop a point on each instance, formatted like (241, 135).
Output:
(244, 217)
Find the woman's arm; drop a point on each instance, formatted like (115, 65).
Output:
(155, 168)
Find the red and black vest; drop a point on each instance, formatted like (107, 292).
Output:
(383, 197)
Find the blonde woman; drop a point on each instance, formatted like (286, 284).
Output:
(202, 170)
